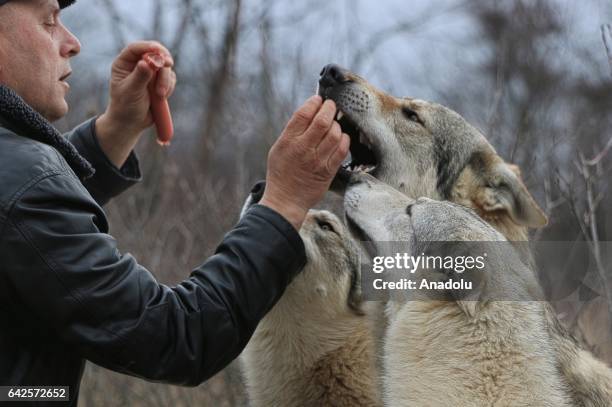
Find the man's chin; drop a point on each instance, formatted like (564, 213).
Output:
(56, 112)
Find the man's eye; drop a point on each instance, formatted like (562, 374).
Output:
(325, 226)
(51, 21)
(411, 115)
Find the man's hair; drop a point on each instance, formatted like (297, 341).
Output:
(62, 3)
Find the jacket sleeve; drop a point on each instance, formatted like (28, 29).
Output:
(72, 277)
(108, 181)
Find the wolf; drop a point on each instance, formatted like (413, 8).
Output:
(424, 149)
(315, 347)
(484, 349)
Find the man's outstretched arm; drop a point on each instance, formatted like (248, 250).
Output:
(70, 277)
(72, 280)
(108, 141)
(108, 180)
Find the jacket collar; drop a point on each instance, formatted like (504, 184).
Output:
(18, 116)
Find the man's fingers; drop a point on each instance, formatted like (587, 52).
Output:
(339, 155)
(135, 50)
(302, 117)
(140, 76)
(132, 53)
(321, 123)
(330, 141)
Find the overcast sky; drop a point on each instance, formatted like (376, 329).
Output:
(430, 57)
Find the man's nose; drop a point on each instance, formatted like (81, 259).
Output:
(331, 75)
(70, 44)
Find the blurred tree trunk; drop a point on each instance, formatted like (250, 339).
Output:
(220, 79)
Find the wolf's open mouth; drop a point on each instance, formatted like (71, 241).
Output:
(363, 153)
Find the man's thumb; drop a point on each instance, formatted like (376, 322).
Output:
(140, 76)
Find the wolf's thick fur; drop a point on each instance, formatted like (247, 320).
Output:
(426, 149)
(459, 352)
(315, 347)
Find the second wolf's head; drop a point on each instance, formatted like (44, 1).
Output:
(329, 285)
(425, 149)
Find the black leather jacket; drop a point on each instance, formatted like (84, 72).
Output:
(68, 294)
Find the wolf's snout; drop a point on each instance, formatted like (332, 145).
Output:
(257, 191)
(409, 208)
(352, 102)
(332, 75)
(254, 197)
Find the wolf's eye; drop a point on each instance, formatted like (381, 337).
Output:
(326, 226)
(411, 115)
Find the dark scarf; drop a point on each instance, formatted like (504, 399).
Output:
(27, 122)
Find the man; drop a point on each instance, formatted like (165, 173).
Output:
(66, 292)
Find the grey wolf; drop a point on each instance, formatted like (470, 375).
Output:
(426, 149)
(478, 351)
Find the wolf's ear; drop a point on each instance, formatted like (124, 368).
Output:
(505, 192)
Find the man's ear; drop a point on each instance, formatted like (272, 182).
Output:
(504, 192)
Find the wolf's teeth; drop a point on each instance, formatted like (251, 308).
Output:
(339, 115)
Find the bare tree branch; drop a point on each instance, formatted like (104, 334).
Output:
(599, 156)
(223, 73)
(117, 23)
(181, 30)
(586, 217)
(606, 36)
(379, 38)
(157, 28)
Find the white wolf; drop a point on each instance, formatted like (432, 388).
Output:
(315, 347)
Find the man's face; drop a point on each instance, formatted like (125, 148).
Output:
(35, 49)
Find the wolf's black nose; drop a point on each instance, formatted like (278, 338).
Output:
(409, 209)
(331, 75)
(258, 191)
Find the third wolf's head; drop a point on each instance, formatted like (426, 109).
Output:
(389, 223)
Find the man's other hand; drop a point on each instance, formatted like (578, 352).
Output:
(304, 160)
(128, 112)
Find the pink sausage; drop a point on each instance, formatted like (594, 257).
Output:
(160, 110)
